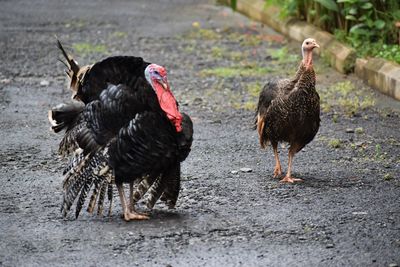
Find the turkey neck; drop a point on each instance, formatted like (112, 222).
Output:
(307, 59)
(299, 72)
(307, 80)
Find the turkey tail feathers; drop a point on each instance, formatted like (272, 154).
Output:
(91, 171)
(63, 116)
(173, 186)
(100, 203)
(260, 130)
(75, 73)
(166, 186)
(71, 63)
(155, 192)
(143, 187)
(66, 117)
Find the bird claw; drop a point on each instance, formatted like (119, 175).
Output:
(129, 216)
(277, 171)
(291, 180)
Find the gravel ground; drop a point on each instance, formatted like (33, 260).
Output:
(345, 213)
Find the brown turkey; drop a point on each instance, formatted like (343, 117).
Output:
(126, 129)
(288, 110)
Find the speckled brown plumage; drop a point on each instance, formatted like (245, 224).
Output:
(288, 111)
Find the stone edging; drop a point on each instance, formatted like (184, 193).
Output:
(380, 74)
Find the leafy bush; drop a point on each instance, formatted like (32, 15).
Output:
(368, 25)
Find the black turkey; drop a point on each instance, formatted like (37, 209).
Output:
(289, 111)
(126, 128)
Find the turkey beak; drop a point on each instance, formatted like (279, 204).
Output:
(316, 45)
(164, 83)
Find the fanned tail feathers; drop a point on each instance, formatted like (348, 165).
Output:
(66, 117)
(173, 186)
(88, 171)
(143, 187)
(260, 129)
(75, 73)
(165, 186)
(63, 115)
(155, 191)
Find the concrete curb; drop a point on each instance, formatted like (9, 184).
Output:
(378, 73)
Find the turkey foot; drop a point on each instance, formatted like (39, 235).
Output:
(132, 215)
(288, 178)
(277, 170)
(133, 210)
(131, 205)
(128, 214)
(291, 180)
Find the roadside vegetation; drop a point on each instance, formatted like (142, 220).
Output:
(370, 26)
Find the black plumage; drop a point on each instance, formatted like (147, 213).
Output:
(121, 133)
(289, 111)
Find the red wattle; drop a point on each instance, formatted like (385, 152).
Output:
(168, 105)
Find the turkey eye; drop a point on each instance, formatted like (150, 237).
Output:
(307, 43)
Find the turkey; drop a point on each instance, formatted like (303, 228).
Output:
(288, 110)
(125, 127)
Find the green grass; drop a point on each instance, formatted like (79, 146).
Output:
(77, 24)
(221, 52)
(119, 35)
(237, 56)
(359, 130)
(204, 34)
(217, 52)
(335, 143)
(388, 177)
(253, 89)
(250, 40)
(86, 48)
(249, 105)
(372, 49)
(282, 55)
(344, 96)
(238, 70)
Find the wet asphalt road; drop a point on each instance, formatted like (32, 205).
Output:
(346, 213)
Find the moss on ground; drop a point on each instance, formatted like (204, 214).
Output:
(226, 72)
(344, 96)
(84, 49)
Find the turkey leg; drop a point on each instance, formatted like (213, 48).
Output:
(278, 168)
(128, 215)
(132, 201)
(288, 178)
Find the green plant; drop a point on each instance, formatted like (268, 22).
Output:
(217, 52)
(368, 25)
(87, 48)
(346, 97)
(335, 143)
(205, 34)
(359, 130)
(250, 40)
(254, 89)
(371, 49)
(226, 72)
(283, 55)
(379, 155)
(388, 177)
(119, 35)
(335, 118)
